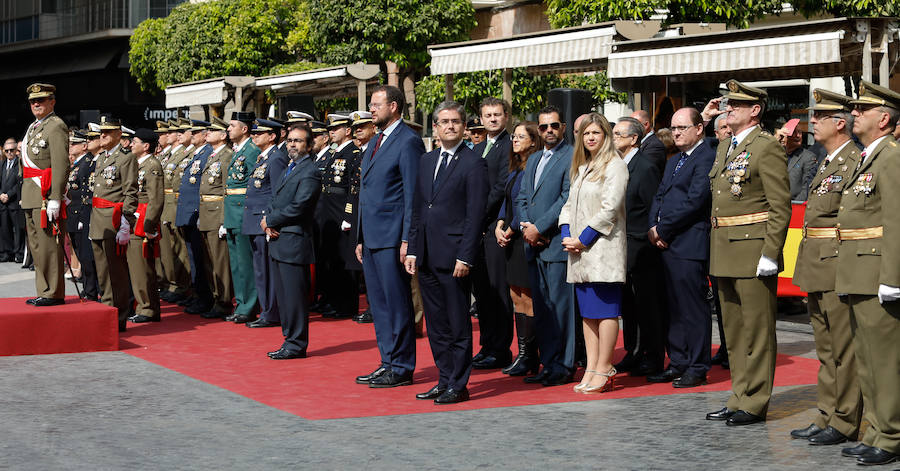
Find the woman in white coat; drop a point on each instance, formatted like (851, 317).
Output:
(593, 228)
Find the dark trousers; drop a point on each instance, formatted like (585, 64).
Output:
(81, 245)
(12, 233)
(690, 321)
(200, 278)
(446, 303)
(293, 286)
(554, 313)
(266, 278)
(643, 306)
(390, 300)
(495, 308)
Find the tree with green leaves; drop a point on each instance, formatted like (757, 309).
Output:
(564, 13)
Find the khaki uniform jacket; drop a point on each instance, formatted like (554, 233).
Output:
(817, 258)
(172, 171)
(871, 198)
(734, 251)
(150, 191)
(212, 184)
(115, 180)
(47, 145)
(599, 204)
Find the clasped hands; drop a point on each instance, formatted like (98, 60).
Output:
(531, 235)
(460, 270)
(656, 240)
(270, 233)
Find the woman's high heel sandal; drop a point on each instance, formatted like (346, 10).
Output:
(607, 386)
(585, 380)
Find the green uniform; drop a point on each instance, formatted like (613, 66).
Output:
(140, 255)
(239, 252)
(751, 209)
(839, 398)
(210, 218)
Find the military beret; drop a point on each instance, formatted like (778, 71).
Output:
(146, 135)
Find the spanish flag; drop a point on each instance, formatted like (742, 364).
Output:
(791, 247)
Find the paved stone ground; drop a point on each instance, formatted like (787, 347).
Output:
(110, 410)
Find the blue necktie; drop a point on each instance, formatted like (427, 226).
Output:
(443, 161)
(288, 172)
(680, 163)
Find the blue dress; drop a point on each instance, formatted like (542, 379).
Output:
(596, 300)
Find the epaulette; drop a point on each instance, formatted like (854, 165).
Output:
(765, 133)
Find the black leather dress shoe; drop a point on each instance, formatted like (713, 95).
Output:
(453, 396)
(743, 418)
(30, 301)
(48, 302)
(806, 432)
(241, 318)
(286, 355)
(668, 375)
(688, 380)
(721, 414)
(262, 323)
(432, 393)
(875, 456)
(491, 362)
(855, 451)
(557, 379)
(390, 379)
(365, 379)
(644, 369)
(538, 378)
(140, 319)
(364, 318)
(829, 436)
(197, 308)
(720, 357)
(479, 356)
(280, 349)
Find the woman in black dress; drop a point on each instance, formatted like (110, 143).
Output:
(525, 140)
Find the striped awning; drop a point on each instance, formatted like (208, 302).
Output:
(578, 46)
(204, 92)
(760, 54)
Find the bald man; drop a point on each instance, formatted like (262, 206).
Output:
(651, 147)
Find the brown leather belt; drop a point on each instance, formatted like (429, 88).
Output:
(860, 234)
(742, 220)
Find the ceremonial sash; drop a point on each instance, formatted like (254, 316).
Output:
(150, 247)
(117, 209)
(44, 181)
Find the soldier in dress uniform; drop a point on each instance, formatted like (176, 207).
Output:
(751, 209)
(187, 213)
(172, 248)
(321, 145)
(240, 256)
(45, 169)
(363, 128)
(142, 248)
(868, 269)
(112, 217)
(339, 288)
(163, 144)
(78, 211)
(839, 399)
(127, 135)
(211, 220)
(475, 132)
(265, 173)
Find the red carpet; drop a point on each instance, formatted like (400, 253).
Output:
(322, 386)
(68, 328)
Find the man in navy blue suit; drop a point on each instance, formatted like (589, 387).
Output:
(679, 226)
(544, 191)
(288, 224)
(389, 168)
(444, 238)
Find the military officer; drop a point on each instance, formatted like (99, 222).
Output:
(93, 140)
(751, 209)
(298, 117)
(186, 215)
(321, 145)
(78, 210)
(127, 136)
(114, 201)
(839, 398)
(868, 269)
(172, 248)
(163, 139)
(142, 248)
(45, 169)
(211, 219)
(475, 132)
(237, 177)
(265, 173)
(363, 132)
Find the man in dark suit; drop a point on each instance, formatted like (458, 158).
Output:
(444, 238)
(288, 225)
(679, 220)
(495, 309)
(642, 310)
(385, 211)
(12, 220)
(651, 147)
(544, 191)
(78, 211)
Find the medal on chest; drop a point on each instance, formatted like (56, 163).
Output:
(109, 174)
(195, 169)
(832, 182)
(141, 179)
(864, 184)
(736, 172)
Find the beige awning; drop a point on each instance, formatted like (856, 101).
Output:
(568, 47)
(204, 92)
(773, 52)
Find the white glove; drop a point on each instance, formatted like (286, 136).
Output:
(267, 238)
(345, 226)
(124, 223)
(122, 237)
(766, 266)
(66, 200)
(80, 226)
(888, 293)
(222, 232)
(52, 210)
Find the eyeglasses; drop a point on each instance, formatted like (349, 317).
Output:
(9, 151)
(294, 141)
(520, 137)
(34, 101)
(825, 116)
(555, 125)
(682, 128)
(376, 105)
(621, 136)
(445, 122)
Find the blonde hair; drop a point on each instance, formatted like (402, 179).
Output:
(596, 167)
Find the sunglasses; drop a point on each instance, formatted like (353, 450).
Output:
(34, 101)
(555, 125)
